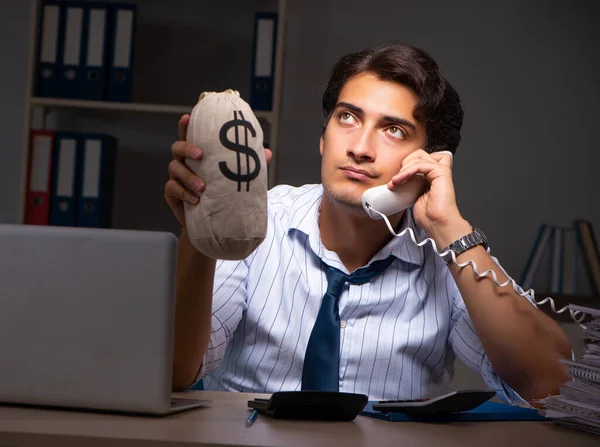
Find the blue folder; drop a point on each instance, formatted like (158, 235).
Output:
(95, 190)
(122, 49)
(96, 50)
(263, 61)
(487, 411)
(63, 195)
(71, 78)
(49, 51)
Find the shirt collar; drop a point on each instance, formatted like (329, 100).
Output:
(305, 219)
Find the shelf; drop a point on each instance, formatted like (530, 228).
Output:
(125, 106)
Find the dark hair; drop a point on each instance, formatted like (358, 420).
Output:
(439, 106)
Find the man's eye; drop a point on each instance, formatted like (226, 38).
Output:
(346, 117)
(397, 132)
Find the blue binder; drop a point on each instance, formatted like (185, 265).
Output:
(263, 61)
(95, 42)
(49, 48)
(122, 40)
(67, 147)
(96, 180)
(487, 411)
(70, 82)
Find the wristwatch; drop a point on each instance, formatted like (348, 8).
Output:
(476, 237)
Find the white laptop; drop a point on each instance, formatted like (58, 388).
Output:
(86, 319)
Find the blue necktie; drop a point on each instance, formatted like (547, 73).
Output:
(321, 368)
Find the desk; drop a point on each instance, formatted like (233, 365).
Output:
(222, 424)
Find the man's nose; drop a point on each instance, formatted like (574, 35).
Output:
(362, 147)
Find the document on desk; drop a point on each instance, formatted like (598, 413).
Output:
(488, 411)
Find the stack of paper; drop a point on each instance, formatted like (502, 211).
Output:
(578, 404)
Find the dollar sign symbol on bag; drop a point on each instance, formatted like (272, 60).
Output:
(239, 149)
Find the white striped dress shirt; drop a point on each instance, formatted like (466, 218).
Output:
(400, 332)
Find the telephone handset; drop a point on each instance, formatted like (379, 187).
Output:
(380, 202)
(389, 202)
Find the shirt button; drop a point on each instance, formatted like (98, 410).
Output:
(343, 324)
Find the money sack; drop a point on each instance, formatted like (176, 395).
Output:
(230, 221)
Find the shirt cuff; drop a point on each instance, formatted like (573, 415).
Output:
(511, 397)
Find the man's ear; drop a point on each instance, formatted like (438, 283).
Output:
(321, 142)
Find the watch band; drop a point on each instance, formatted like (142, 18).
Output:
(473, 239)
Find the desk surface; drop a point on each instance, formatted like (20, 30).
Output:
(223, 424)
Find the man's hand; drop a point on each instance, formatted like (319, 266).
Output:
(184, 185)
(436, 210)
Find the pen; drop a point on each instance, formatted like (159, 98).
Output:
(252, 418)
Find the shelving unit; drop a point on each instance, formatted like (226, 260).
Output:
(153, 114)
(52, 103)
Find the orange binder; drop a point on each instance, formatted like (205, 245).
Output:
(39, 169)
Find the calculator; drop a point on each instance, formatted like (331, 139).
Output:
(454, 402)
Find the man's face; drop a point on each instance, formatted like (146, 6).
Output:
(370, 132)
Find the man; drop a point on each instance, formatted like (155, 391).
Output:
(257, 324)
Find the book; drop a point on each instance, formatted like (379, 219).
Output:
(570, 266)
(564, 262)
(590, 252)
(556, 277)
(577, 405)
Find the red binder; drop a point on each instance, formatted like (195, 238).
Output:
(39, 172)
